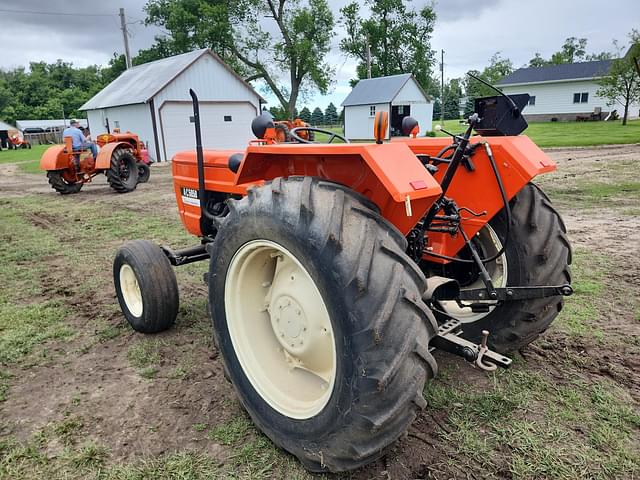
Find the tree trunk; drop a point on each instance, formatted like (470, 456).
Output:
(626, 111)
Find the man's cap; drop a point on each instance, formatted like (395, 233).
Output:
(74, 122)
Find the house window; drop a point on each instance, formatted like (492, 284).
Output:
(372, 111)
(532, 100)
(581, 97)
(227, 118)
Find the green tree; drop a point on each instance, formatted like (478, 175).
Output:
(537, 61)
(331, 114)
(399, 39)
(305, 115)
(278, 113)
(437, 109)
(317, 118)
(498, 68)
(622, 84)
(573, 50)
(294, 45)
(452, 96)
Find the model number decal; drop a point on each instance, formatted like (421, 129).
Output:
(190, 196)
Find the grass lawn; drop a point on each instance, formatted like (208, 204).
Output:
(27, 159)
(571, 134)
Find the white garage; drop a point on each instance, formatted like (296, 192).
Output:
(153, 101)
(224, 125)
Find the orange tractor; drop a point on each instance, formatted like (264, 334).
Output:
(283, 130)
(336, 270)
(123, 158)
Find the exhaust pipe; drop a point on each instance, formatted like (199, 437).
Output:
(204, 214)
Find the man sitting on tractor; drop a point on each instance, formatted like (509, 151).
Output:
(79, 141)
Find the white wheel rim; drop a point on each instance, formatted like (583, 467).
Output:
(131, 290)
(497, 271)
(280, 329)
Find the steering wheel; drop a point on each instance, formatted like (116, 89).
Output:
(294, 134)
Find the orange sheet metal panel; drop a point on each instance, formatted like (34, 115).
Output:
(54, 158)
(103, 162)
(387, 174)
(217, 176)
(518, 160)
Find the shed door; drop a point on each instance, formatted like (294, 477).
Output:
(225, 125)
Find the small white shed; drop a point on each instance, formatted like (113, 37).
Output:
(398, 95)
(153, 101)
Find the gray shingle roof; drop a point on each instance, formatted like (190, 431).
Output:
(141, 83)
(549, 73)
(377, 90)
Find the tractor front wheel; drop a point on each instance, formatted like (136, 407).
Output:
(60, 181)
(319, 319)
(123, 173)
(146, 286)
(144, 172)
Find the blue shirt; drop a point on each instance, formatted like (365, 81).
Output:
(77, 136)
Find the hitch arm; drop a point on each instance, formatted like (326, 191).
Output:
(449, 340)
(516, 293)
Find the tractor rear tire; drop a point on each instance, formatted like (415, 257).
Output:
(123, 173)
(537, 253)
(146, 286)
(144, 172)
(334, 268)
(60, 184)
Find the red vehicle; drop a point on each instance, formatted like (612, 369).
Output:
(335, 270)
(123, 158)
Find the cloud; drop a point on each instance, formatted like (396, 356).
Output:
(469, 31)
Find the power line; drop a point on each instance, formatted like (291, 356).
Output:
(69, 14)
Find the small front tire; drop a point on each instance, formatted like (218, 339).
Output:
(146, 286)
(144, 172)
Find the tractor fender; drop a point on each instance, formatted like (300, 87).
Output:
(103, 162)
(54, 158)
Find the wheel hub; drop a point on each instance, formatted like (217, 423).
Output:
(280, 329)
(288, 321)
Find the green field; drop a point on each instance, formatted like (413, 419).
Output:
(27, 159)
(571, 134)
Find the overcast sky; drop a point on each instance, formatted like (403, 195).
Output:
(469, 31)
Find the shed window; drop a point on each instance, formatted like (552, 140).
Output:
(372, 111)
(532, 100)
(581, 97)
(227, 118)
(116, 124)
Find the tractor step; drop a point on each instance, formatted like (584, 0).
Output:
(449, 340)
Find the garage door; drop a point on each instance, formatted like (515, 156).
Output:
(225, 125)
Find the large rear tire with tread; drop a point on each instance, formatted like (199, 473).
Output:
(537, 253)
(358, 273)
(123, 173)
(62, 185)
(146, 286)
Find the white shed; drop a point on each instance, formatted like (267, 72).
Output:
(398, 95)
(153, 101)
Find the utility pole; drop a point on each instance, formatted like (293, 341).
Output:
(368, 58)
(125, 36)
(442, 86)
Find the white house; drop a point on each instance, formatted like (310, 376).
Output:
(563, 92)
(398, 95)
(153, 101)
